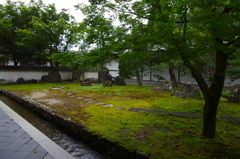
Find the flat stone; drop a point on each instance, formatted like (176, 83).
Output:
(70, 93)
(232, 119)
(85, 100)
(108, 105)
(120, 108)
(149, 111)
(72, 96)
(187, 115)
(99, 103)
(56, 88)
(80, 97)
(91, 101)
(88, 96)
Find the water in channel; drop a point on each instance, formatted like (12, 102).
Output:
(76, 148)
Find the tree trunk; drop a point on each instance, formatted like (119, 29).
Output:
(211, 94)
(139, 80)
(173, 77)
(102, 75)
(15, 63)
(209, 116)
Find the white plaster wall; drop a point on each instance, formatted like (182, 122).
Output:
(114, 73)
(184, 78)
(113, 65)
(13, 75)
(90, 75)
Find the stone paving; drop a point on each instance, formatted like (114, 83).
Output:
(15, 143)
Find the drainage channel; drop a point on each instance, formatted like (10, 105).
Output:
(76, 148)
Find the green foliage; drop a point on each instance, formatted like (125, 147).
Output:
(226, 93)
(30, 32)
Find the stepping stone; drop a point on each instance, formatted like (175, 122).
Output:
(190, 115)
(85, 100)
(91, 101)
(72, 96)
(70, 93)
(88, 96)
(120, 108)
(99, 103)
(232, 119)
(55, 88)
(80, 97)
(149, 111)
(187, 115)
(108, 105)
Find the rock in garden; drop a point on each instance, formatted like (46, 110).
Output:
(31, 81)
(119, 81)
(54, 77)
(106, 75)
(234, 96)
(91, 80)
(86, 84)
(188, 90)
(44, 78)
(20, 81)
(167, 86)
(108, 83)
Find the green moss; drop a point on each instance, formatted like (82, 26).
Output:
(160, 135)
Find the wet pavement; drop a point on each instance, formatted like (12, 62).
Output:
(20, 140)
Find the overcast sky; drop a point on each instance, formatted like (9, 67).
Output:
(68, 4)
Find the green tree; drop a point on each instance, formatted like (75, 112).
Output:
(99, 36)
(52, 32)
(15, 16)
(192, 31)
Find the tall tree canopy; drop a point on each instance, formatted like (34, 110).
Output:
(202, 34)
(15, 16)
(99, 37)
(34, 31)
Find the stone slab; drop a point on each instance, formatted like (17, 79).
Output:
(80, 98)
(108, 105)
(91, 101)
(149, 111)
(99, 103)
(232, 119)
(186, 114)
(55, 88)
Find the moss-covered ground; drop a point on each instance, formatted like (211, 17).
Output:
(160, 136)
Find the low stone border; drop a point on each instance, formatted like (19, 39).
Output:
(74, 129)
